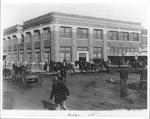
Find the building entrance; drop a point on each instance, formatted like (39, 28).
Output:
(83, 55)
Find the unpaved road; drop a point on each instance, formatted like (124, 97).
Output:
(88, 92)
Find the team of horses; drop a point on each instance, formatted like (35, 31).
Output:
(87, 67)
(84, 67)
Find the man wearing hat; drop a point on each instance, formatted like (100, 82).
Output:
(61, 93)
(64, 63)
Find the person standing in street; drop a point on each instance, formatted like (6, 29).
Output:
(60, 92)
(45, 66)
(63, 74)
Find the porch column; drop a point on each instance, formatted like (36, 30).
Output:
(19, 41)
(55, 43)
(12, 49)
(74, 43)
(33, 49)
(7, 47)
(105, 45)
(42, 45)
(25, 47)
(90, 44)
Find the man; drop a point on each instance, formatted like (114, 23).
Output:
(136, 62)
(61, 93)
(45, 66)
(121, 60)
(63, 73)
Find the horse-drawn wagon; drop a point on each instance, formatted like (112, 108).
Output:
(23, 76)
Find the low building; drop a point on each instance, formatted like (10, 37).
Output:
(57, 36)
(12, 37)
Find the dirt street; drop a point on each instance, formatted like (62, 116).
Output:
(88, 92)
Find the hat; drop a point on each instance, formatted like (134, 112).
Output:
(64, 60)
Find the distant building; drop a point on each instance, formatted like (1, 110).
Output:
(57, 36)
(144, 41)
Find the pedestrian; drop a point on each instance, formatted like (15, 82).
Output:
(45, 66)
(63, 73)
(61, 93)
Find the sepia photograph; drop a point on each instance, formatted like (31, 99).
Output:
(72, 59)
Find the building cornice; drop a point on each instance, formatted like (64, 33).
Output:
(12, 30)
(72, 19)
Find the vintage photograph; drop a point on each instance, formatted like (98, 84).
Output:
(74, 57)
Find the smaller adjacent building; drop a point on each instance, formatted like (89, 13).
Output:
(12, 38)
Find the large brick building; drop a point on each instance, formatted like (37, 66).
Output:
(57, 36)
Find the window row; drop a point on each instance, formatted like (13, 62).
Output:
(144, 41)
(82, 33)
(124, 36)
(120, 51)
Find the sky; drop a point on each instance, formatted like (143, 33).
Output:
(16, 13)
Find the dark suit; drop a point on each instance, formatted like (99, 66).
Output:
(60, 91)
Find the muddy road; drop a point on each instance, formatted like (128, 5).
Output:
(87, 92)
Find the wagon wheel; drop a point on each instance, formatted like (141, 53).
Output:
(40, 78)
(23, 80)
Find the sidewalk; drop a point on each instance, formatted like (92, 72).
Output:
(49, 73)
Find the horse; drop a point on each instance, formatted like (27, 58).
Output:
(55, 66)
(92, 67)
(86, 66)
(70, 68)
(21, 69)
(137, 64)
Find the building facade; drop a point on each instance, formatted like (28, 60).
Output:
(57, 36)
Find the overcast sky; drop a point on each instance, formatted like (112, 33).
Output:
(17, 13)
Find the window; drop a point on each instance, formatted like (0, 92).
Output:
(46, 33)
(15, 56)
(124, 36)
(65, 32)
(128, 49)
(14, 39)
(29, 55)
(120, 51)
(113, 35)
(47, 55)
(97, 53)
(132, 49)
(116, 51)
(21, 56)
(136, 50)
(37, 55)
(111, 51)
(98, 34)
(144, 40)
(82, 49)
(82, 33)
(37, 35)
(124, 50)
(28, 37)
(65, 53)
(9, 40)
(134, 37)
(4, 41)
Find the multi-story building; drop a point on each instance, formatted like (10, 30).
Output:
(11, 43)
(144, 41)
(57, 36)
